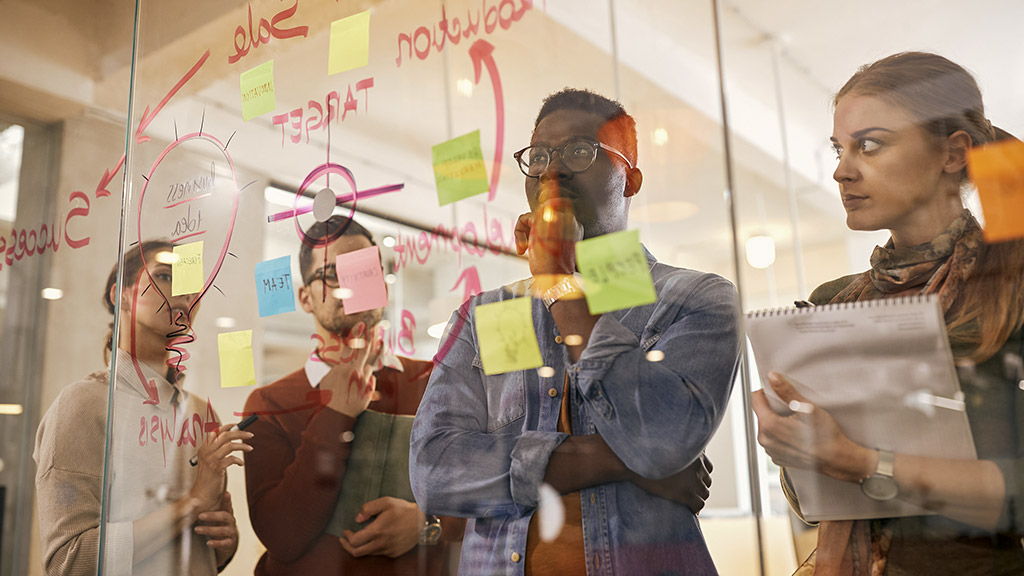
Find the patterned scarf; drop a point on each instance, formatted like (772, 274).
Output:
(942, 266)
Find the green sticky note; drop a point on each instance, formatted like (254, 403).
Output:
(258, 91)
(236, 367)
(507, 340)
(350, 43)
(615, 272)
(459, 168)
(187, 269)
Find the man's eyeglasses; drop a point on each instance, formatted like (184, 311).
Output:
(577, 155)
(328, 274)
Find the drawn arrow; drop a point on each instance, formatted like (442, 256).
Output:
(108, 175)
(471, 278)
(147, 117)
(482, 52)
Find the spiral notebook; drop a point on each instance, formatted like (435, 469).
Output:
(884, 370)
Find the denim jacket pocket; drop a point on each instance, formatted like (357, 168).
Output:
(506, 396)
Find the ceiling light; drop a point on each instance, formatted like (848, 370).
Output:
(464, 87)
(388, 241)
(51, 293)
(10, 409)
(224, 322)
(663, 211)
(274, 195)
(436, 330)
(760, 251)
(391, 279)
(166, 257)
(660, 136)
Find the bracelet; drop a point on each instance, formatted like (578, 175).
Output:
(567, 286)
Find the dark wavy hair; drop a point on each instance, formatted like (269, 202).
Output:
(133, 263)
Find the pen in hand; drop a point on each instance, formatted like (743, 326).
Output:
(245, 423)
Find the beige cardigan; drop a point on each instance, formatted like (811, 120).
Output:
(148, 468)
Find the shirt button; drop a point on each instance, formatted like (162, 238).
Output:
(558, 339)
(515, 557)
(552, 392)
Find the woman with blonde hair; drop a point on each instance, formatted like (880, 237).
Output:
(902, 130)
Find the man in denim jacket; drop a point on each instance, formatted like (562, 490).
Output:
(630, 401)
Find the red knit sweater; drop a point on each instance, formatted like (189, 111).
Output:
(296, 469)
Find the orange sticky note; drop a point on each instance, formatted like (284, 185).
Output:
(350, 43)
(998, 172)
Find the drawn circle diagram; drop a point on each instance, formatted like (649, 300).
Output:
(323, 203)
(187, 197)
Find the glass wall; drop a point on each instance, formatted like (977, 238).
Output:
(232, 131)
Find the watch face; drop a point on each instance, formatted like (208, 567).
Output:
(879, 488)
(431, 534)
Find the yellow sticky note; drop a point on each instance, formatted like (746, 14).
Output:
(236, 367)
(459, 169)
(258, 96)
(998, 172)
(507, 339)
(187, 269)
(350, 43)
(615, 272)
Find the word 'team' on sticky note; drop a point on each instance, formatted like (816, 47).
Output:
(998, 172)
(459, 168)
(187, 269)
(350, 43)
(236, 367)
(361, 280)
(258, 96)
(507, 339)
(615, 272)
(274, 286)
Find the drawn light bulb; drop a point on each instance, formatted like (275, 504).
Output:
(188, 202)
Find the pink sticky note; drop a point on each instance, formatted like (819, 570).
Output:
(361, 280)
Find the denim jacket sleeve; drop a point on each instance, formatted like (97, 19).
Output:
(658, 416)
(469, 455)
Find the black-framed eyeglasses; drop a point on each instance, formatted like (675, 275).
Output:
(577, 155)
(328, 275)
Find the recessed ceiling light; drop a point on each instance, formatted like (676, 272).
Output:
(51, 293)
(464, 86)
(436, 330)
(659, 136)
(225, 322)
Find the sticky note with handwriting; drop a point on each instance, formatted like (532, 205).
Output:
(236, 365)
(361, 280)
(257, 85)
(615, 272)
(350, 43)
(998, 172)
(187, 269)
(507, 338)
(459, 169)
(274, 286)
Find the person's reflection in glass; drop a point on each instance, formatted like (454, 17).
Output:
(164, 516)
(902, 130)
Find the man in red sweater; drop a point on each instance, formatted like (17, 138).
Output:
(302, 439)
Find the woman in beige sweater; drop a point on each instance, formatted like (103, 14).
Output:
(161, 514)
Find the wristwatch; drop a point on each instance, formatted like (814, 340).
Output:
(430, 533)
(568, 285)
(881, 486)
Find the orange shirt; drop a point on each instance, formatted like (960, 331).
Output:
(564, 555)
